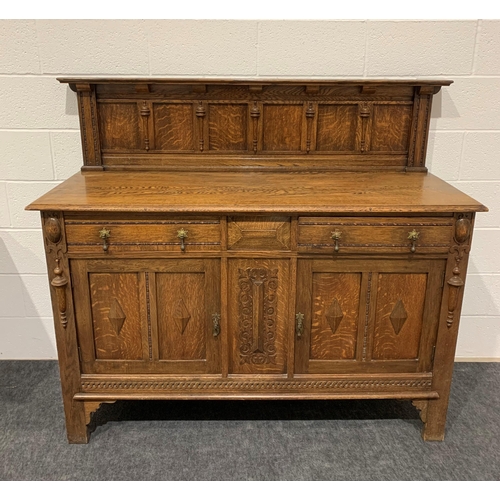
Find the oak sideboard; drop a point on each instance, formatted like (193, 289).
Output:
(275, 239)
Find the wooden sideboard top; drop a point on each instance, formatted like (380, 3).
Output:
(257, 192)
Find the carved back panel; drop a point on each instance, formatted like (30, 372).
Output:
(211, 124)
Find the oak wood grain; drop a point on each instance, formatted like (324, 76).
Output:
(119, 126)
(391, 127)
(173, 126)
(181, 315)
(399, 316)
(256, 192)
(115, 298)
(335, 308)
(336, 130)
(227, 127)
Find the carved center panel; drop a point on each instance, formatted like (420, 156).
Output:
(257, 315)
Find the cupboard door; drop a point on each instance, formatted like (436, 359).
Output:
(366, 315)
(187, 297)
(258, 315)
(148, 316)
(330, 300)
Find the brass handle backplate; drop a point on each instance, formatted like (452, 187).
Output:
(336, 236)
(413, 237)
(299, 324)
(104, 234)
(182, 234)
(216, 324)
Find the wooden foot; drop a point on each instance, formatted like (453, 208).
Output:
(76, 426)
(435, 424)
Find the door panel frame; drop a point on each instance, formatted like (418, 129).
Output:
(370, 270)
(146, 270)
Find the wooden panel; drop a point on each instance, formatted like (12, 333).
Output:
(399, 314)
(119, 126)
(227, 125)
(259, 233)
(180, 300)
(336, 127)
(258, 315)
(116, 315)
(282, 127)
(391, 127)
(335, 309)
(173, 125)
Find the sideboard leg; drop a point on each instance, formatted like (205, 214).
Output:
(435, 424)
(76, 424)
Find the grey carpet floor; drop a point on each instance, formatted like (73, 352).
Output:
(247, 440)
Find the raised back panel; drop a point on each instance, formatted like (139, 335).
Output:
(226, 125)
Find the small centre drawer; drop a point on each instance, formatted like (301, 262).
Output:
(374, 234)
(258, 233)
(111, 235)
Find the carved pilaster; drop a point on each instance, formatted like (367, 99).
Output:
(364, 123)
(309, 116)
(145, 113)
(462, 234)
(200, 114)
(59, 283)
(55, 247)
(255, 115)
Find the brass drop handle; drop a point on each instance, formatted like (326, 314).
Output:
(336, 235)
(413, 237)
(216, 322)
(299, 324)
(182, 234)
(104, 234)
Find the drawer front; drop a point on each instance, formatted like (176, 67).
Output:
(375, 234)
(258, 233)
(113, 236)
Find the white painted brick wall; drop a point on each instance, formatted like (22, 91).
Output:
(40, 141)
(207, 48)
(416, 48)
(305, 48)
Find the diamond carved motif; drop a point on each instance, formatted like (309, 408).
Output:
(116, 316)
(334, 315)
(181, 316)
(398, 316)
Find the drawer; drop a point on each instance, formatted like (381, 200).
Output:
(258, 233)
(135, 234)
(374, 234)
